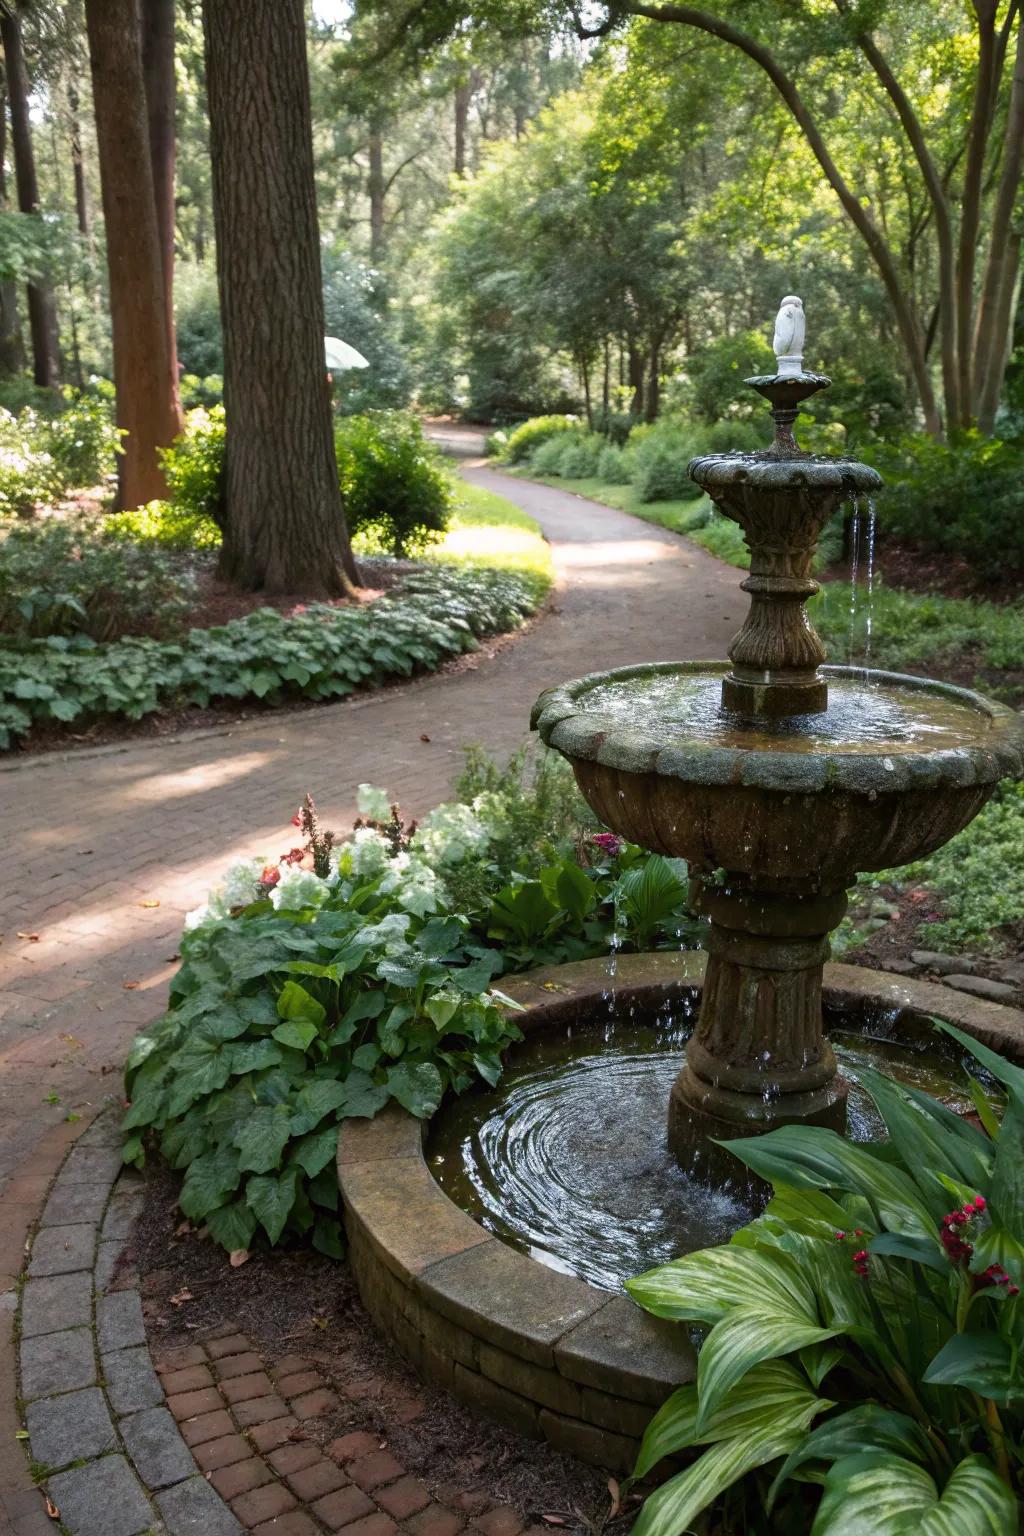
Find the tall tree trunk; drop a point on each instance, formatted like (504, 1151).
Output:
(284, 527)
(157, 24)
(636, 377)
(583, 364)
(652, 404)
(12, 351)
(146, 395)
(377, 190)
(606, 381)
(82, 211)
(995, 308)
(42, 311)
(970, 202)
(463, 97)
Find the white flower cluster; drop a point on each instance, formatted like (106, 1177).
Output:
(450, 834)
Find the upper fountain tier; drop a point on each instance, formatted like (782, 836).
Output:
(782, 499)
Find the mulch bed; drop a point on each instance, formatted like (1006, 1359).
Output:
(902, 934)
(917, 570)
(302, 1303)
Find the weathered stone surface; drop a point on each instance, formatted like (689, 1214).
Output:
(61, 1250)
(56, 1302)
(71, 1203)
(103, 1496)
(511, 1300)
(497, 1402)
(538, 1383)
(89, 1164)
(132, 1383)
(193, 1508)
(981, 986)
(901, 967)
(122, 1213)
(155, 1446)
(625, 1351)
(57, 1362)
(392, 1133)
(119, 1321)
(406, 1217)
(73, 1427)
(106, 1267)
(600, 1446)
(942, 965)
(615, 1413)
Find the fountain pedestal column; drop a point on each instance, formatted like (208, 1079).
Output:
(758, 1057)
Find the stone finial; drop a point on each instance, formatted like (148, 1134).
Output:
(788, 341)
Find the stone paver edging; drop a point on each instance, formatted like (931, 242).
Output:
(202, 1440)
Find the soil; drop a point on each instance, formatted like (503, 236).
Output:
(917, 570)
(302, 1303)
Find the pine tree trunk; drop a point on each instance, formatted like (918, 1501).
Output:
(82, 211)
(12, 351)
(284, 525)
(42, 311)
(157, 23)
(377, 191)
(146, 393)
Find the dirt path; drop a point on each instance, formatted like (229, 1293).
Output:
(103, 852)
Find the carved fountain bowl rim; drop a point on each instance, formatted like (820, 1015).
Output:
(766, 471)
(590, 736)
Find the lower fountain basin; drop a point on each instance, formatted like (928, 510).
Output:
(546, 1352)
(893, 769)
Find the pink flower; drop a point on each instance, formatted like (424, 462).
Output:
(608, 843)
(271, 875)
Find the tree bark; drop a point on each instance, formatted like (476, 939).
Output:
(906, 320)
(42, 311)
(652, 404)
(146, 394)
(157, 28)
(995, 307)
(636, 378)
(463, 97)
(82, 211)
(284, 527)
(377, 191)
(970, 202)
(12, 351)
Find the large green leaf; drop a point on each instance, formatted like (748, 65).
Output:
(704, 1286)
(316, 1150)
(921, 1144)
(1002, 1070)
(743, 1338)
(997, 1246)
(1006, 1193)
(363, 1097)
(271, 1197)
(261, 1138)
(982, 1362)
(294, 1002)
(809, 1156)
(868, 1427)
(298, 1033)
(232, 1225)
(417, 1087)
(208, 1182)
(774, 1393)
(671, 1509)
(315, 1100)
(877, 1493)
(920, 1250)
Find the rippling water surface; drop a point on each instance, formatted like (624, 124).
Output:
(567, 1160)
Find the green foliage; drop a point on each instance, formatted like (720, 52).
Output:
(71, 578)
(960, 497)
(573, 456)
(162, 522)
(52, 445)
(82, 438)
(194, 469)
(520, 444)
(613, 467)
(715, 376)
(355, 309)
(321, 652)
(914, 629)
(394, 487)
(197, 320)
(877, 1300)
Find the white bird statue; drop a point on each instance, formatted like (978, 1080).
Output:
(788, 341)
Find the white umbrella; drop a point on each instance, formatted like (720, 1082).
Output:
(339, 355)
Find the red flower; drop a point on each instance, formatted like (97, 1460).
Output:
(271, 875)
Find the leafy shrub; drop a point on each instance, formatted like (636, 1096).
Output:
(613, 467)
(576, 457)
(915, 629)
(194, 466)
(661, 469)
(196, 391)
(45, 452)
(394, 486)
(321, 652)
(82, 439)
(715, 375)
(28, 474)
(546, 459)
(163, 523)
(961, 497)
(878, 1295)
(614, 426)
(197, 320)
(355, 308)
(70, 578)
(527, 437)
(321, 985)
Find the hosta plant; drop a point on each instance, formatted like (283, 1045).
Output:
(864, 1334)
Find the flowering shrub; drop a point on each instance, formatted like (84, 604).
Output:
(45, 453)
(321, 652)
(327, 981)
(891, 1273)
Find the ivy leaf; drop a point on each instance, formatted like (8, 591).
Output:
(315, 1100)
(261, 1138)
(417, 1087)
(294, 1002)
(271, 1197)
(252, 1056)
(315, 1151)
(298, 1032)
(363, 1096)
(366, 1057)
(232, 1225)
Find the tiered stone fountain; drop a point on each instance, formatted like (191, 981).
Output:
(495, 1269)
(779, 780)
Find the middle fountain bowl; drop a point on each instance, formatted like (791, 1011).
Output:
(778, 780)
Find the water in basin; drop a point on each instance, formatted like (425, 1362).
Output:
(862, 716)
(567, 1158)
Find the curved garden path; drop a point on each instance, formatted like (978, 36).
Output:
(103, 851)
